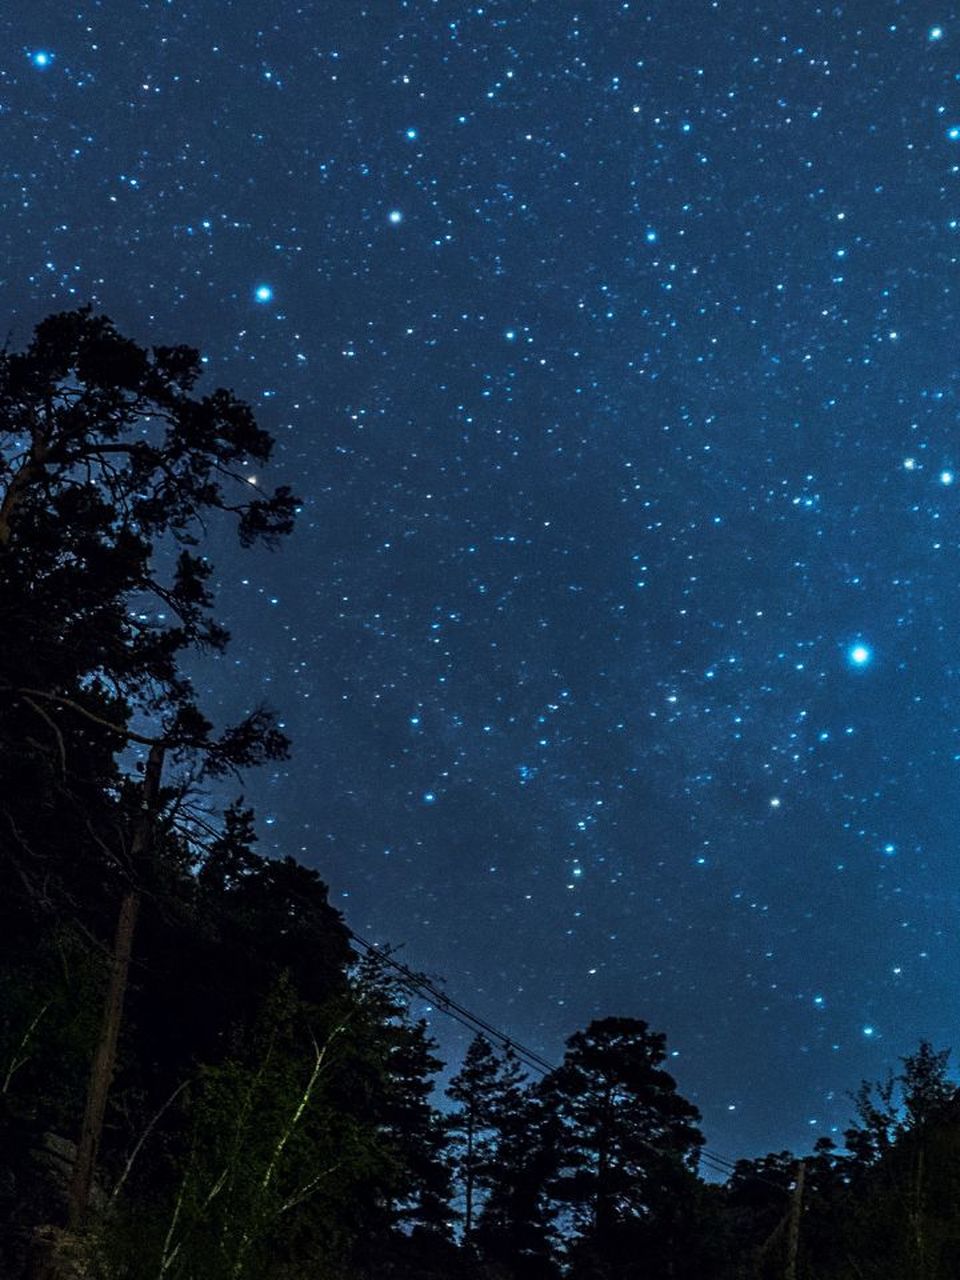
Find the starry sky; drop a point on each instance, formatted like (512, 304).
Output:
(613, 349)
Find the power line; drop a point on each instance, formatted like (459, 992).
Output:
(424, 988)
(419, 985)
(711, 1167)
(731, 1164)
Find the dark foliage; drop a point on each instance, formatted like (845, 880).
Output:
(271, 1109)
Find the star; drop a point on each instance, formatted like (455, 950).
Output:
(570, 387)
(860, 654)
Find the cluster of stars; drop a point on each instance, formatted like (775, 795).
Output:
(614, 394)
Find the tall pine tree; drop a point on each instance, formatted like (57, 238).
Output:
(627, 1143)
(486, 1089)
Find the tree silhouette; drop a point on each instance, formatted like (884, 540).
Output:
(109, 467)
(486, 1088)
(624, 1125)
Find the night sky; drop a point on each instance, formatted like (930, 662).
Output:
(614, 351)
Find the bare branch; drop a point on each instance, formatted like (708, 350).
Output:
(298, 1197)
(56, 731)
(144, 1136)
(19, 1056)
(168, 1256)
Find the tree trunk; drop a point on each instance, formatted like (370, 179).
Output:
(918, 1241)
(793, 1224)
(468, 1181)
(104, 1058)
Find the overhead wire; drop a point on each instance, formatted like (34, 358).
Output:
(446, 1004)
(420, 986)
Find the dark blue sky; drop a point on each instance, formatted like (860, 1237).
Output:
(614, 350)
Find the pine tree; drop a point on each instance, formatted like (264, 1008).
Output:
(486, 1088)
(416, 1130)
(515, 1233)
(627, 1141)
(407, 1215)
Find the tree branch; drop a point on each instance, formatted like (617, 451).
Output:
(143, 1137)
(129, 734)
(17, 1062)
(52, 725)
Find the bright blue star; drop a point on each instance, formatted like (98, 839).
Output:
(869, 1031)
(651, 236)
(263, 293)
(953, 133)
(946, 477)
(860, 654)
(412, 134)
(395, 217)
(510, 335)
(935, 33)
(41, 58)
(429, 797)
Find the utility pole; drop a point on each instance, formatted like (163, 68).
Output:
(105, 1055)
(793, 1224)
